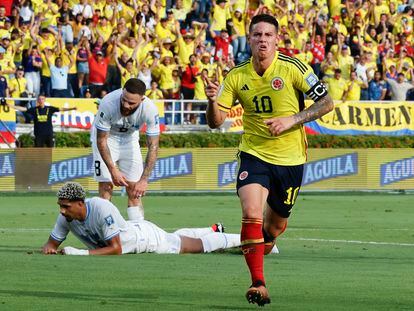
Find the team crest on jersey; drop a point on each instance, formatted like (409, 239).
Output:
(109, 220)
(277, 84)
(243, 175)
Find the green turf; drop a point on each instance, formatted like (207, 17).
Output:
(325, 273)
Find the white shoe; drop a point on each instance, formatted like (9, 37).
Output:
(274, 250)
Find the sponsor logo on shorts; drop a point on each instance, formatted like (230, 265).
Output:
(243, 175)
(311, 79)
(395, 171)
(277, 84)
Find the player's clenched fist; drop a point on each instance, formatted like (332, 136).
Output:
(279, 125)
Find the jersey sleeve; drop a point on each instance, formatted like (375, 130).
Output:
(152, 119)
(227, 93)
(305, 80)
(54, 109)
(103, 118)
(107, 219)
(61, 229)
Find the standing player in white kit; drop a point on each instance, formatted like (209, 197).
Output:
(115, 141)
(100, 226)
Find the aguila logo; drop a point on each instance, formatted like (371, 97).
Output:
(277, 84)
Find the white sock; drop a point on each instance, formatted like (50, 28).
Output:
(217, 240)
(194, 232)
(135, 213)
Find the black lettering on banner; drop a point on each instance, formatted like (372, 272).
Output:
(5, 108)
(97, 168)
(265, 104)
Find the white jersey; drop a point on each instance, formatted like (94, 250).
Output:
(109, 117)
(103, 222)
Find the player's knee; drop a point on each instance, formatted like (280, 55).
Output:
(252, 211)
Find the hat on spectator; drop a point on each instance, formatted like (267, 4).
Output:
(170, 11)
(167, 41)
(220, 1)
(20, 68)
(238, 10)
(5, 37)
(224, 30)
(336, 18)
(357, 13)
(344, 10)
(344, 47)
(206, 54)
(99, 52)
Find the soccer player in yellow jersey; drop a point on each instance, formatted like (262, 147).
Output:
(270, 87)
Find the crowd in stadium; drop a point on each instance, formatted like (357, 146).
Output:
(363, 50)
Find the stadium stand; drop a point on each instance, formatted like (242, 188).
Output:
(106, 42)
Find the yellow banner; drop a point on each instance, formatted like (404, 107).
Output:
(210, 169)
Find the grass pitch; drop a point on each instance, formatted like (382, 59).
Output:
(352, 252)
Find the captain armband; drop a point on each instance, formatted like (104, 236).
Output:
(317, 91)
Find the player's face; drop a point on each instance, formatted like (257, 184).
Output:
(263, 40)
(72, 210)
(130, 102)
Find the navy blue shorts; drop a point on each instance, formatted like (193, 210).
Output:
(283, 182)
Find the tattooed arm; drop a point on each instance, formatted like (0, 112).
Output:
(151, 158)
(318, 109)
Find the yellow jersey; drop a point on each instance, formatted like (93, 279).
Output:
(278, 93)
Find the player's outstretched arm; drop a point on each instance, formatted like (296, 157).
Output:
(318, 109)
(50, 247)
(114, 248)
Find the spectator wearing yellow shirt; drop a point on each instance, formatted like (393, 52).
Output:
(186, 43)
(165, 69)
(18, 85)
(306, 55)
(328, 66)
(239, 41)
(199, 92)
(220, 14)
(204, 63)
(163, 31)
(104, 28)
(128, 71)
(6, 65)
(336, 86)
(353, 91)
(154, 92)
(345, 61)
(68, 52)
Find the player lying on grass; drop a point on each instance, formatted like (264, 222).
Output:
(100, 226)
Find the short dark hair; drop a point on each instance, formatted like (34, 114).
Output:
(264, 18)
(135, 86)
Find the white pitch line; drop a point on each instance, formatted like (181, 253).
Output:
(26, 229)
(350, 241)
